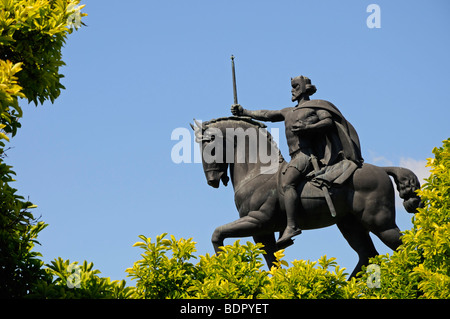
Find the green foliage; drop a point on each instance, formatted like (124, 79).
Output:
(32, 33)
(166, 270)
(10, 90)
(236, 272)
(304, 280)
(160, 276)
(20, 267)
(420, 268)
(72, 281)
(232, 274)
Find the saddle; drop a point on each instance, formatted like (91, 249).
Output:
(331, 176)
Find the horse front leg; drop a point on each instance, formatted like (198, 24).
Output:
(243, 227)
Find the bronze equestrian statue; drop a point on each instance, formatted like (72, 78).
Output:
(315, 130)
(325, 183)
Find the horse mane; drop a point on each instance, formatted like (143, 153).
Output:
(249, 120)
(238, 119)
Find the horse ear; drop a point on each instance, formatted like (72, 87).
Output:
(199, 124)
(192, 126)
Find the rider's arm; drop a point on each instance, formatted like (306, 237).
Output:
(262, 115)
(324, 122)
(265, 115)
(317, 121)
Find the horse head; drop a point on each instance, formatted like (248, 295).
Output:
(212, 146)
(238, 141)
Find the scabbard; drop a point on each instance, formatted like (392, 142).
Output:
(326, 194)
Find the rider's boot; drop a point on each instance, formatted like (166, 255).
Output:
(291, 202)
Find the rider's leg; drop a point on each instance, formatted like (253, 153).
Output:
(291, 180)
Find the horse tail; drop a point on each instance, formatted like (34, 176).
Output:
(407, 185)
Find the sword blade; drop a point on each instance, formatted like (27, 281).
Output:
(234, 80)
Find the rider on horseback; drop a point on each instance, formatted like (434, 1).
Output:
(313, 128)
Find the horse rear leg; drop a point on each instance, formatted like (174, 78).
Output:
(390, 237)
(359, 239)
(380, 220)
(270, 247)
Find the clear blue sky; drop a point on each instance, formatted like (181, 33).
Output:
(97, 162)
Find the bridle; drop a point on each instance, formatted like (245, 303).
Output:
(224, 177)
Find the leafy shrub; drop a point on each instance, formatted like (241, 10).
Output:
(420, 268)
(236, 272)
(32, 33)
(72, 281)
(306, 281)
(159, 276)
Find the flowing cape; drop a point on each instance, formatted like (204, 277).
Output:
(346, 133)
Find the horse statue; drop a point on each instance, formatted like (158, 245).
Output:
(364, 202)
